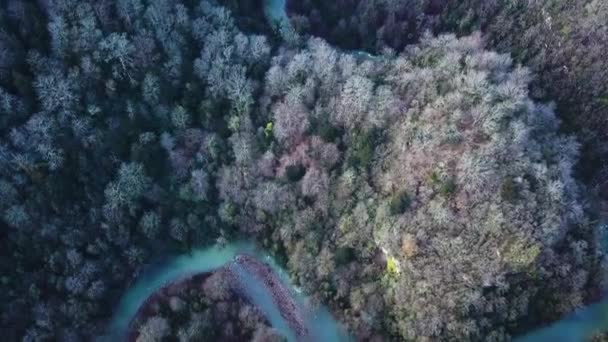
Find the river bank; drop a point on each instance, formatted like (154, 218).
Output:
(256, 278)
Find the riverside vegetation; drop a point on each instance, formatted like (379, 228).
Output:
(429, 192)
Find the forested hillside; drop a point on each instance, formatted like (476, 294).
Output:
(562, 42)
(432, 193)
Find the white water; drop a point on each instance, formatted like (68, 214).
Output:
(319, 321)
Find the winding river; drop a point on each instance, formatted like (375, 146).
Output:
(318, 322)
(579, 326)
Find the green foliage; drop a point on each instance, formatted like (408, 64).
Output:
(227, 213)
(521, 255)
(268, 130)
(362, 149)
(399, 203)
(434, 178)
(448, 186)
(392, 268)
(445, 185)
(344, 255)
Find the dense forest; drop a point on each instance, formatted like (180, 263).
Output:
(446, 188)
(562, 42)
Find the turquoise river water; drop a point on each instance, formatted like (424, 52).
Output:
(577, 327)
(320, 323)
